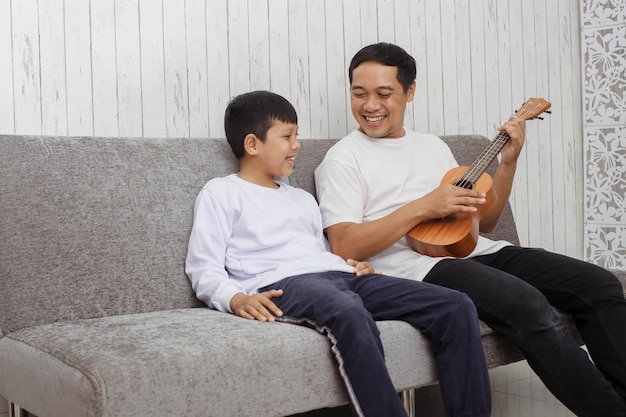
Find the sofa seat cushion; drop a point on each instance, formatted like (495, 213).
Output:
(187, 362)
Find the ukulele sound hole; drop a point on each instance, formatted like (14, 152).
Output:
(449, 219)
(463, 183)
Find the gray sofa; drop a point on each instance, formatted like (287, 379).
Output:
(97, 317)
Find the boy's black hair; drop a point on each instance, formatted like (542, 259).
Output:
(390, 55)
(255, 112)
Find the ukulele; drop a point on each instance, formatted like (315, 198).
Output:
(456, 235)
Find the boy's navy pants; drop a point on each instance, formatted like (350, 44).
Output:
(344, 307)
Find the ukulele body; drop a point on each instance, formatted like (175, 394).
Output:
(455, 235)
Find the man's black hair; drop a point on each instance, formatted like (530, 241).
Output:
(390, 55)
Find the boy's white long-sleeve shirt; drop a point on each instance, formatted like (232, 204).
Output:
(246, 236)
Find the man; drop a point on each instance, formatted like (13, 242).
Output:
(381, 180)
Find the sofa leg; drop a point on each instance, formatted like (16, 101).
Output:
(408, 399)
(16, 411)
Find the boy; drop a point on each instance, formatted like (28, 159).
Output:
(257, 250)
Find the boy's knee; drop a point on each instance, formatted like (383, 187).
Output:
(463, 303)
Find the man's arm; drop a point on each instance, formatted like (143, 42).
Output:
(503, 178)
(364, 240)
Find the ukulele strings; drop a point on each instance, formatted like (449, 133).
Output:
(486, 157)
(482, 162)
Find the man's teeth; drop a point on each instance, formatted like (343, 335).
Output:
(374, 119)
(291, 158)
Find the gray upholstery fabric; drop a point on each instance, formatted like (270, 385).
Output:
(190, 362)
(97, 317)
(94, 227)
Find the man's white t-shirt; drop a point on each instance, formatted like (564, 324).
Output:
(363, 179)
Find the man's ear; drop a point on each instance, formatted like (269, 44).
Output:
(250, 144)
(410, 92)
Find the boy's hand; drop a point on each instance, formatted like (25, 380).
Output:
(361, 268)
(256, 307)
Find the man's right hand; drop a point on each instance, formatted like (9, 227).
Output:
(256, 307)
(448, 199)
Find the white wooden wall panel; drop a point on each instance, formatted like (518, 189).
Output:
(544, 134)
(239, 48)
(418, 112)
(434, 67)
(175, 51)
(196, 42)
(278, 39)
(300, 88)
(260, 54)
(168, 68)
(449, 95)
(127, 47)
(354, 31)
(364, 18)
(7, 111)
(491, 38)
(26, 74)
(317, 66)
(52, 56)
(520, 192)
(338, 110)
(78, 68)
(476, 68)
(571, 120)
(463, 67)
(217, 60)
(104, 69)
(153, 98)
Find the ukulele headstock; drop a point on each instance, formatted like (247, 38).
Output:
(532, 108)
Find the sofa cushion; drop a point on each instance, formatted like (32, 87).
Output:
(187, 362)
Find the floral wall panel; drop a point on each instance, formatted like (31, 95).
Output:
(603, 48)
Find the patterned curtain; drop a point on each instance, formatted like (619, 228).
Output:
(603, 46)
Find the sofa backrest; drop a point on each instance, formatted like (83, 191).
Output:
(93, 227)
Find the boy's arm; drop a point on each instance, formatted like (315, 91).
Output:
(206, 254)
(257, 306)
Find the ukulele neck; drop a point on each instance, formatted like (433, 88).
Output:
(481, 163)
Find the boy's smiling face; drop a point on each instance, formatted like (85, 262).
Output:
(274, 157)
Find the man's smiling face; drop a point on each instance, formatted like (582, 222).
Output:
(378, 100)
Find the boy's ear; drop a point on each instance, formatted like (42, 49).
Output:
(250, 144)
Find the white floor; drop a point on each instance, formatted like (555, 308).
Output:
(517, 392)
